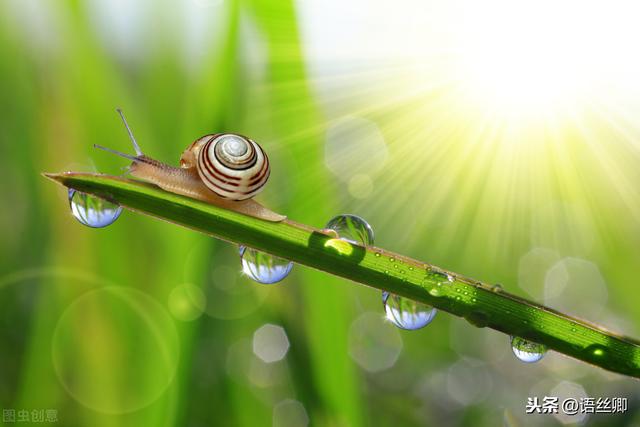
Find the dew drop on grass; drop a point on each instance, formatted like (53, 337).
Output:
(351, 228)
(406, 313)
(527, 351)
(93, 211)
(439, 277)
(262, 267)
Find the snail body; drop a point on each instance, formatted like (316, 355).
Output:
(223, 169)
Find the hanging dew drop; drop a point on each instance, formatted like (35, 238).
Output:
(527, 351)
(351, 228)
(92, 211)
(406, 313)
(264, 268)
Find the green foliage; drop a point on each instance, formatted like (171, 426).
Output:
(482, 305)
(449, 193)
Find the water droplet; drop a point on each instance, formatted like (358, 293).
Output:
(93, 211)
(262, 267)
(406, 313)
(527, 351)
(331, 232)
(392, 259)
(497, 288)
(378, 254)
(436, 290)
(438, 277)
(352, 228)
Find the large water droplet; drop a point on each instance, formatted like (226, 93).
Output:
(351, 228)
(264, 268)
(406, 313)
(527, 351)
(93, 211)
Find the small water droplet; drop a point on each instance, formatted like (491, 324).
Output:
(262, 267)
(392, 259)
(406, 313)
(352, 228)
(527, 351)
(93, 211)
(439, 277)
(497, 288)
(436, 290)
(378, 254)
(395, 265)
(411, 268)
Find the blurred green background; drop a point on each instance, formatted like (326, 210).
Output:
(504, 164)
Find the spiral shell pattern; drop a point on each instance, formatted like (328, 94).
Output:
(232, 166)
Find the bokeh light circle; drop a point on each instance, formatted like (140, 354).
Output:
(187, 302)
(105, 345)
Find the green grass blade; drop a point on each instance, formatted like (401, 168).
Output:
(479, 303)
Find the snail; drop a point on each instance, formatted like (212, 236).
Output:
(223, 169)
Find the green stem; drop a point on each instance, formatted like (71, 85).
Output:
(480, 304)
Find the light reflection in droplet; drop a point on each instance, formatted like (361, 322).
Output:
(406, 313)
(262, 267)
(351, 228)
(93, 211)
(527, 351)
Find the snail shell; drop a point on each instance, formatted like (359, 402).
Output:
(232, 166)
(223, 169)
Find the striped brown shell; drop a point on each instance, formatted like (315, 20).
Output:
(232, 166)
